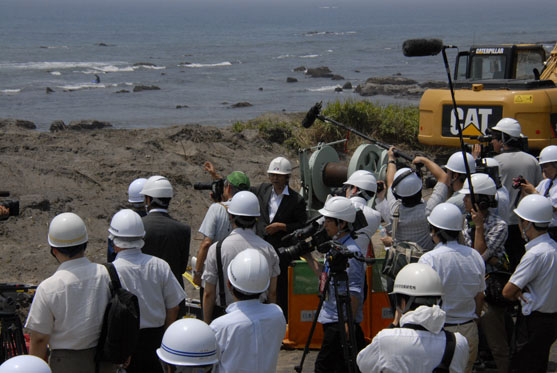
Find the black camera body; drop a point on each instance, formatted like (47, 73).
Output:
(493, 172)
(216, 187)
(11, 205)
(517, 181)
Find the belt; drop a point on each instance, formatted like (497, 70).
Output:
(458, 324)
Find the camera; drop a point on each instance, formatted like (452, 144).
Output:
(11, 205)
(517, 181)
(216, 187)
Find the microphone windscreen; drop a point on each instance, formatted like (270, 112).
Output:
(422, 47)
(311, 115)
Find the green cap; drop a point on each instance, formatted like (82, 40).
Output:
(239, 179)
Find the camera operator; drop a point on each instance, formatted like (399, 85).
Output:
(507, 143)
(361, 187)
(456, 172)
(547, 187)
(216, 224)
(339, 214)
(8, 207)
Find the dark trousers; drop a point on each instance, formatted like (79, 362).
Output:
(331, 355)
(282, 288)
(145, 359)
(514, 246)
(533, 336)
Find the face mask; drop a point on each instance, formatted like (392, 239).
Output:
(524, 230)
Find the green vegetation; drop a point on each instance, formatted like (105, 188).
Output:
(392, 124)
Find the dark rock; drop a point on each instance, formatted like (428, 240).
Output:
(300, 68)
(122, 91)
(182, 106)
(139, 88)
(102, 45)
(347, 85)
(144, 64)
(241, 104)
(58, 125)
(337, 77)
(78, 125)
(20, 123)
(397, 86)
(392, 80)
(163, 74)
(49, 90)
(260, 88)
(433, 84)
(319, 72)
(338, 89)
(356, 71)
(291, 80)
(42, 205)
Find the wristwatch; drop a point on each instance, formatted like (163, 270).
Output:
(391, 161)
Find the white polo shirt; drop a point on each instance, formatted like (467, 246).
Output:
(69, 305)
(249, 337)
(542, 189)
(537, 271)
(462, 272)
(373, 219)
(152, 281)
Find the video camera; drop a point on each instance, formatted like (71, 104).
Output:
(11, 205)
(13, 296)
(517, 181)
(216, 187)
(314, 237)
(493, 172)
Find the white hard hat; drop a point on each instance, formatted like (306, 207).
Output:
(492, 162)
(548, 154)
(446, 216)
(406, 183)
(127, 223)
(456, 163)
(157, 187)
(25, 364)
(419, 280)
(67, 229)
(363, 179)
(134, 191)
(189, 342)
(482, 184)
(535, 208)
(509, 126)
(339, 208)
(281, 166)
(249, 272)
(244, 203)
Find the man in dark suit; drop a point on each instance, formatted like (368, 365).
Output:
(282, 211)
(165, 237)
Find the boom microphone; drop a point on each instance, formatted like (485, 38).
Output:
(311, 116)
(422, 47)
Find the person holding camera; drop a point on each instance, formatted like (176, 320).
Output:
(487, 233)
(456, 173)
(339, 214)
(216, 223)
(507, 143)
(4, 212)
(418, 343)
(534, 283)
(250, 334)
(243, 212)
(548, 186)
(462, 273)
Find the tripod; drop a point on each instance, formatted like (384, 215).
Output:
(12, 341)
(337, 260)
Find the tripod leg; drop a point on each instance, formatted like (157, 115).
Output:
(344, 304)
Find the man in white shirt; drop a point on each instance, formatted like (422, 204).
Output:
(419, 343)
(534, 283)
(151, 280)
(462, 272)
(250, 334)
(243, 211)
(67, 310)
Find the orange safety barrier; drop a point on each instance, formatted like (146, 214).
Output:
(303, 301)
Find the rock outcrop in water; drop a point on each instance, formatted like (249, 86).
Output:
(396, 86)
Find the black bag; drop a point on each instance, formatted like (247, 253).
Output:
(401, 253)
(494, 283)
(120, 330)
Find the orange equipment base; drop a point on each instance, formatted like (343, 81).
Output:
(303, 301)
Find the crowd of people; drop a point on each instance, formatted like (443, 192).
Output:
(486, 283)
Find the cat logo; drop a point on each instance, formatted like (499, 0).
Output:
(477, 119)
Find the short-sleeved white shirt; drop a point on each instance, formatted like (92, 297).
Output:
(537, 271)
(503, 204)
(462, 272)
(249, 337)
(373, 219)
(69, 305)
(216, 224)
(238, 240)
(152, 281)
(542, 188)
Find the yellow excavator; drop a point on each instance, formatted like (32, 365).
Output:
(490, 83)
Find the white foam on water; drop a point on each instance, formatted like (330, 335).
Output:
(10, 91)
(310, 56)
(198, 65)
(327, 88)
(57, 73)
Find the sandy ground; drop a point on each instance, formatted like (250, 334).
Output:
(88, 172)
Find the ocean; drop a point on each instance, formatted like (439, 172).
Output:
(207, 55)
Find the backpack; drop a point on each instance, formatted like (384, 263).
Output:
(120, 330)
(401, 253)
